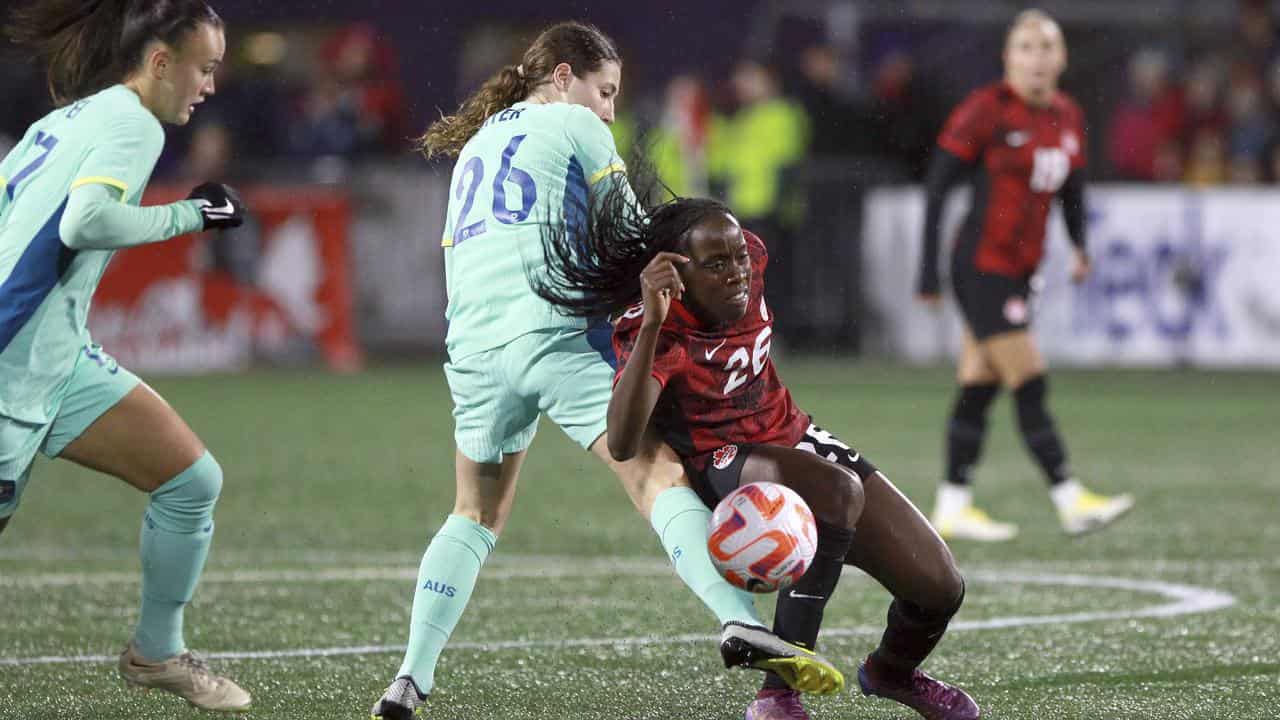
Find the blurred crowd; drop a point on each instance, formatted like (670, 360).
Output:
(312, 95)
(769, 137)
(1206, 115)
(1201, 112)
(345, 100)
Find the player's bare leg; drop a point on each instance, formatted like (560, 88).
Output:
(954, 514)
(1013, 356)
(973, 367)
(144, 442)
(654, 470)
(485, 493)
(897, 547)
(1022, 370)
(141, 440)
(659, 488)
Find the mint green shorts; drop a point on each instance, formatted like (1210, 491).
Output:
(499, 394)
(97, 384)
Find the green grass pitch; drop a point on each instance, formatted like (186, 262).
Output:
(335, 484)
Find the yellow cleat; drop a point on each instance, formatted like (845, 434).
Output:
(970, 523)
(802, 669)
(1090, 511)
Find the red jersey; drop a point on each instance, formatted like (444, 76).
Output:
(719, 386)
(1024, 154)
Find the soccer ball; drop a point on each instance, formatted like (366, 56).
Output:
(762, 537)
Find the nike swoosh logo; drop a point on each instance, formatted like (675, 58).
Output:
(802, 596)
(711, 353)
(227, 209)
(1017, 138)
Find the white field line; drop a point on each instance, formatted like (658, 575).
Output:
(534, 568)
(499, 568)
(126, 555)
(1181, 600)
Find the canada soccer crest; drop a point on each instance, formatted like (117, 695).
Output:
(1015, 311)
(723, 457)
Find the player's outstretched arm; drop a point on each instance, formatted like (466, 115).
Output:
(637, 390)
(96, 219)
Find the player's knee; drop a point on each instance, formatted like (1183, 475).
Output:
(946, 593)
(973, 401)
(471, 513)
(185, 503)
(834, 495)
(848, 498)
(934, 611)
(648, 475)
(488, 512)
(937, 587)
(951, 592)
(1032, 390)
(1029, 399)
(206, 484)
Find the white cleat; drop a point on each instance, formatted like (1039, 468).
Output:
(186, 675)
(970, 523)
(1090, 511)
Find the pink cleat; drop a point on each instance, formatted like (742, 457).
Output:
(773, 704)
(933, 699)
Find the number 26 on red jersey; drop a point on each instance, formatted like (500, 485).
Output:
(756, 359)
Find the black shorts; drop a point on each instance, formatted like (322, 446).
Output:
(723, 473)
(992, 304)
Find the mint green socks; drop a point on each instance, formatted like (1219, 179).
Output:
(452, 563)
(681, 520)
(177, 529)
(446, 578)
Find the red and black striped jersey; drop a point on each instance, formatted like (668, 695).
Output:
(1023, 155)
(719, 386)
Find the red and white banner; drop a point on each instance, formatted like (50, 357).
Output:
(277, 289)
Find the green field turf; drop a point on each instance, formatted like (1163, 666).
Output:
(335, 484)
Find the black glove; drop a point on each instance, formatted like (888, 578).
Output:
(220, 205)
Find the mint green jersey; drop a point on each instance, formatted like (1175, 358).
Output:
(109, 139)
(527, 165)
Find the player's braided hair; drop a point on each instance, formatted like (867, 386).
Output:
(90, 45)
(595, 253)
(583, 46)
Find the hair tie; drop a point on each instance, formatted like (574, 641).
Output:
(520, 71)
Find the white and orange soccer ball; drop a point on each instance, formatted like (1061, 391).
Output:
(762, 537)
